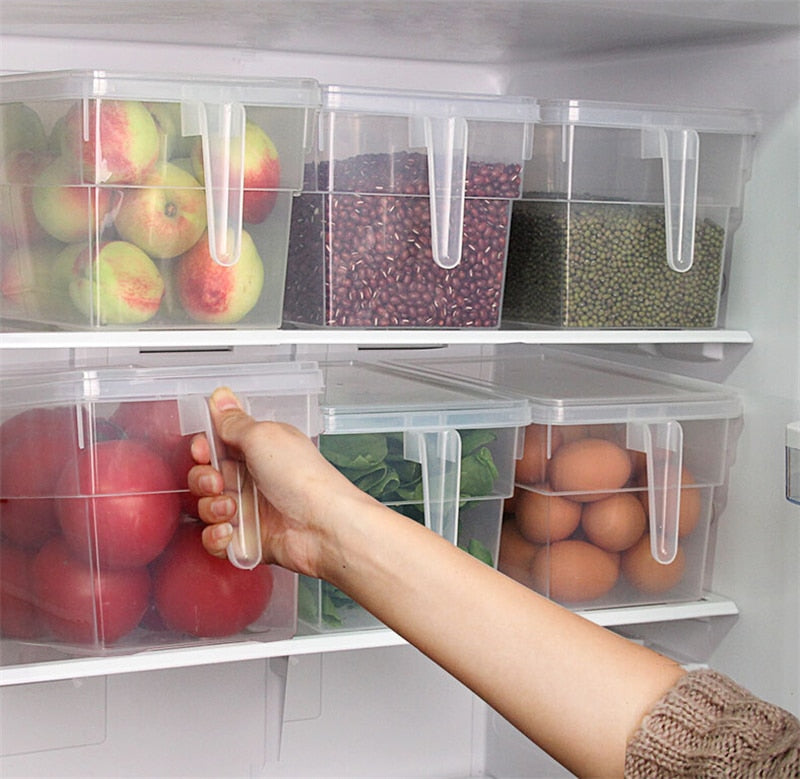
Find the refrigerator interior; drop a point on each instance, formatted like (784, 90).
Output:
(369, 705)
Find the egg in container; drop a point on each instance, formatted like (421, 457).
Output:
(621, 479)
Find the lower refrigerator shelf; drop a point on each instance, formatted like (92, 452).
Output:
(48, 669)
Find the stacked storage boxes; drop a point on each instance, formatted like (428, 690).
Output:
(132, 201)
(404, 218)
(621, 479)
(627, 216)
(436, 450)
(100, 551)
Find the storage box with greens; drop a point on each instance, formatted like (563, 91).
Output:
(437, 451)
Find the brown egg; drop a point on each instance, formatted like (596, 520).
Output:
(510, 504)
(589, 464)
(544, 518)
(691, 502)
(516, 555)
(645, 573)
(614, 523)
(573, 571)
(530, 468)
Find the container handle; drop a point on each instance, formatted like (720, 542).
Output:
(244, 549)
(222, 128)
(439, 454)
(678, 150)
(662, 444)
(445, 138)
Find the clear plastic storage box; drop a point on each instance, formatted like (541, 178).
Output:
(627, 216)
(99, 539)
(433, 449)
(621, 480)
(145, 201)
(406, 208)
(793, 462)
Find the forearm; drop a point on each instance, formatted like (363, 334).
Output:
(551, 673)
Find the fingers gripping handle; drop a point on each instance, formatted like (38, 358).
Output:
(244, 550)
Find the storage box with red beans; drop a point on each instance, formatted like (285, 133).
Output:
(131, 201)
(405, 211)
(622, 477)
(100, 542)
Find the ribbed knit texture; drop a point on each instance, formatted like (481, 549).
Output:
(707, 726)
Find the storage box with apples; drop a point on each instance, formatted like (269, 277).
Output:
(133, 201)
(100, 549)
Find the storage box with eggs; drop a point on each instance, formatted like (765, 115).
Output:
(621, 479)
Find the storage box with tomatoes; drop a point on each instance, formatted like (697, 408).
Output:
(100, 546)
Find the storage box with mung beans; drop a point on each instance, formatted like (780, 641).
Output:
(627, 216)
(406, 207)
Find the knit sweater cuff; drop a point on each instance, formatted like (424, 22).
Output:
(709, 726)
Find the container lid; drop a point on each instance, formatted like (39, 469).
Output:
(643, 116)
(567, 389)
(366, 397)
(128, 383)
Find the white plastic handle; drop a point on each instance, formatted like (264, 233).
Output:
(662, 444)
(222, 128)
(244, 550)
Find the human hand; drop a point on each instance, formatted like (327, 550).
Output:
(300, 493)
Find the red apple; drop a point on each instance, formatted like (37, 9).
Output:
(84, 605)
(19, 617)
(67, 210)
(119, 143)
(117, 283)
(35, 446)
(124, 506)
(219, 294)
(166, 215)
(262, 172)
(18, 222)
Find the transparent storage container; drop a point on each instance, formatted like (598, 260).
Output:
(435, 450)
(793, 462)
(621, 480)
(627, 216)
(99, 538)
(405, 212)
(132, 201)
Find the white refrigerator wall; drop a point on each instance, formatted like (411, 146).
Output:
(390, 712)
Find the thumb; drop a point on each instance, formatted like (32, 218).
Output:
(230, 420)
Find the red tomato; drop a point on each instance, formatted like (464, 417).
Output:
(34, 446)
(82, 605)
(19, 617)
(206, 596)
(135, 509)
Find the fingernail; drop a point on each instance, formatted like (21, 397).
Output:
(224, 399)
(223, 507)
(207, 484)
(221, 531)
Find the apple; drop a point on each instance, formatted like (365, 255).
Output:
(35, 445)
(119, 505)
(119, 143)
(20, 128)
(116, 283)
(67, 210)
(19, 617)
(166, 215)
(262, 172)
(35, 278)
(219, 294)
(167, 117)
(18, 222)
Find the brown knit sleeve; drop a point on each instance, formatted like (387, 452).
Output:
(708, 726)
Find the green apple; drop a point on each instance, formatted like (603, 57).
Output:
(219, 294)
(18, 171)
(35, 280)
(20, 128)
(262, 172)
(68, 211)
(166, 215)
(116, 283)
(167, 117)
(119, 143)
